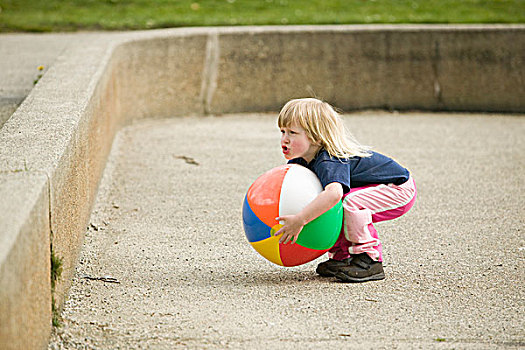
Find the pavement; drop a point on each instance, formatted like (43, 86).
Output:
(165, 264)
(167, 227)
(20, 57)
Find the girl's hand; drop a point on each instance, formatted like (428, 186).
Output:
(292, 226)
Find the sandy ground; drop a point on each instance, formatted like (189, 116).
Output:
(167, 227)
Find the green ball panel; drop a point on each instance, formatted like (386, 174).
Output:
(322, 232)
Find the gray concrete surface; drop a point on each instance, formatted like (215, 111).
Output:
(20, 57)
(170, 232)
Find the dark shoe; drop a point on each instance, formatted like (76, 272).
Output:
(331, 267)
(361, 269)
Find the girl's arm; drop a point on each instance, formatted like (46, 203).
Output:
(293, 224)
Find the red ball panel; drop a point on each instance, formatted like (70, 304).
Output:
(295, 254)
(263, 195)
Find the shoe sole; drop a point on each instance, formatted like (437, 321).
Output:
(326, 273)
(345, 278)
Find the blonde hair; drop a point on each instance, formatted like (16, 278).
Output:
(323, 126)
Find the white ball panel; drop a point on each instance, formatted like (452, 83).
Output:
(300, 186)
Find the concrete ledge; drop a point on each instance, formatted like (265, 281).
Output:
(439, 68)
(25, 288)
(54, 147)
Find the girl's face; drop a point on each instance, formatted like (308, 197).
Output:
(296, 144)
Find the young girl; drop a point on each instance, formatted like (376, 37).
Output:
(372, 186)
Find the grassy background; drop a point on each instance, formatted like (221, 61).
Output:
(70, 15)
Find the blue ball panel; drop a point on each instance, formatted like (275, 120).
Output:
(254, 228)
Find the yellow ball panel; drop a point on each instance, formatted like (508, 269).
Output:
(269, 248)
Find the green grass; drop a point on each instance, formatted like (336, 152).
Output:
(71, 15)
(56, 272)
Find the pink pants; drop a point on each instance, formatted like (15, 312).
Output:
(362, 207)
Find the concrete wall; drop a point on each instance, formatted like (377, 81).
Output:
(54, 147)
(61, 132)
(467, 68)
(25, 291)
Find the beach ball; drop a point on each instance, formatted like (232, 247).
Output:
(286, 190)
